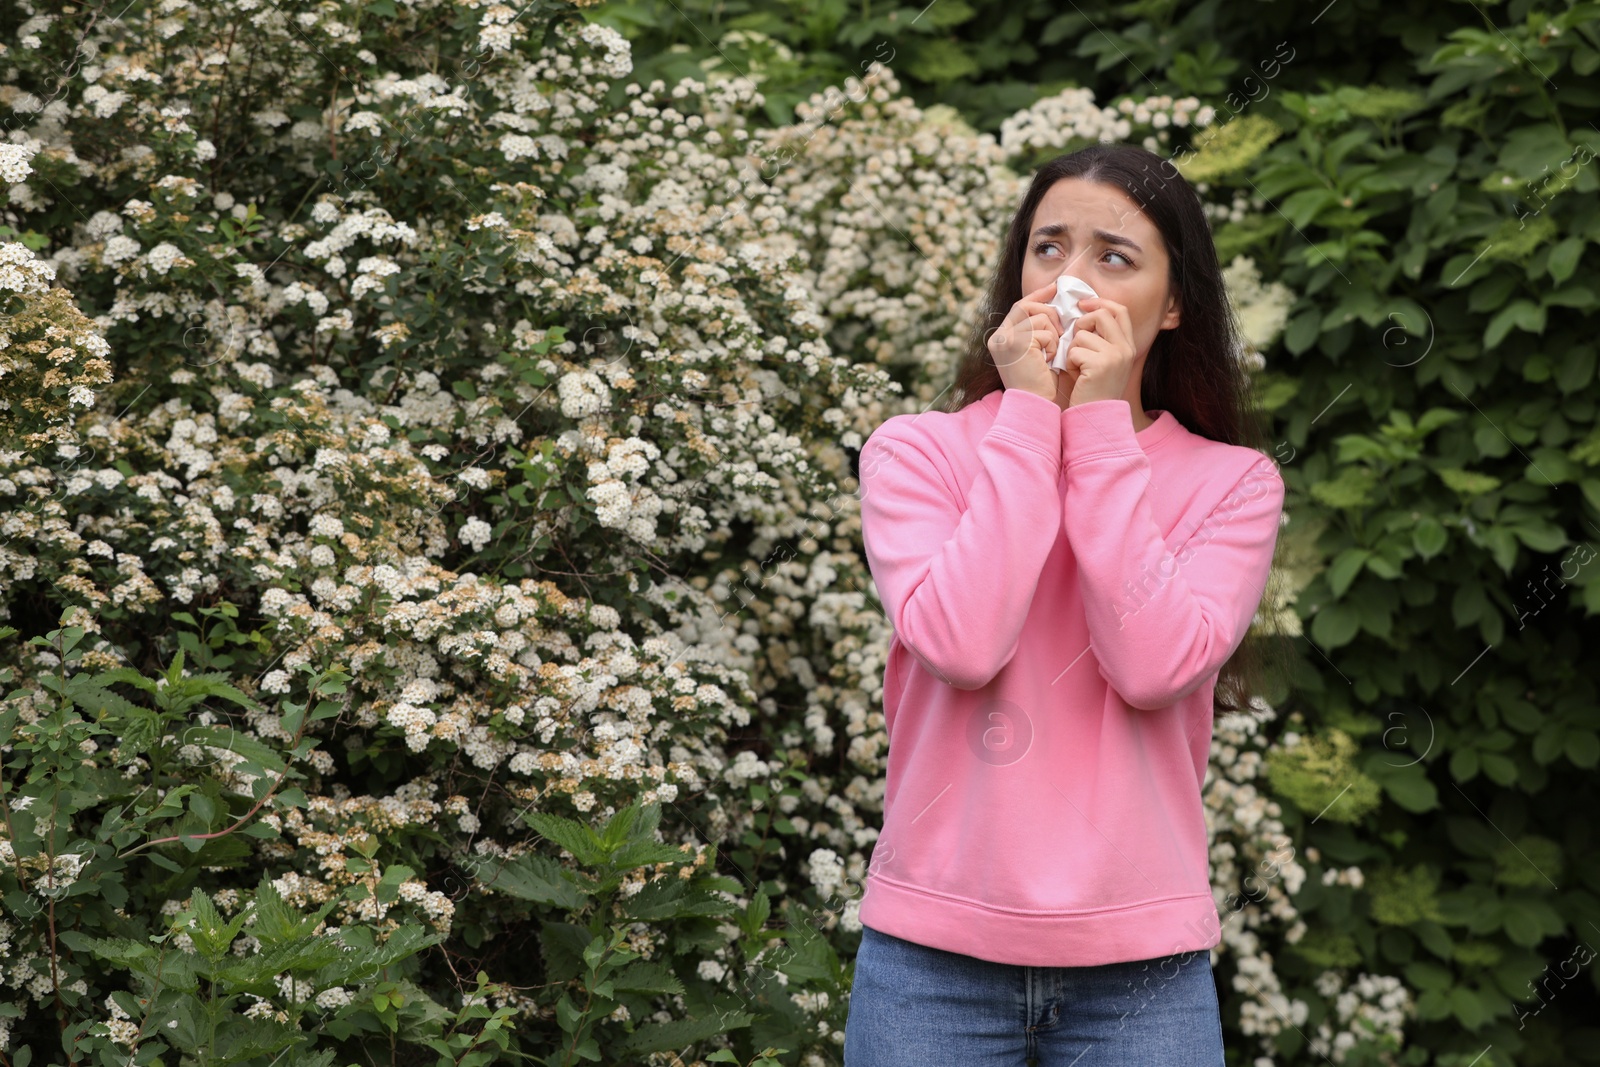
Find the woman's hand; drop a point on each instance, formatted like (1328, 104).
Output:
(1101, 358)
(1024, 344)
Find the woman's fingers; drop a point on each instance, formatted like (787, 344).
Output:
(1050, 311)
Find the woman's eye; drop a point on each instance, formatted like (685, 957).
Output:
(1039, 249)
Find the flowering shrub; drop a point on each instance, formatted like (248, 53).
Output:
(438, 608)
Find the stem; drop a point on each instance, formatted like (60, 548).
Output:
(243, 818)
(55, 976)
(50, 853)
(577, 1038)
(216, 112)
(333, 120)
(211, 1038)
(11, 833)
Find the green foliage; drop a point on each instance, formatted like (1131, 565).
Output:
(1402, 897)
(1328, 948)
(1228, 148)
(1426, 184)
(1528, 861)
(182, 987)
(1320, 776)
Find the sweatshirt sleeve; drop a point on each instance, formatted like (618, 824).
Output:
(957, 581)
(1160, 623)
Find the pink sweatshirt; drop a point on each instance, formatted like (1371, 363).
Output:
(1063, 591)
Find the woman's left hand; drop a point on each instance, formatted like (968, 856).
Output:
(1100, 361)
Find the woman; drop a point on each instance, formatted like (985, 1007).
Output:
(1069, 561)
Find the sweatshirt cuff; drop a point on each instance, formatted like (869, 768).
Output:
(1030, 420)
(1098, 429)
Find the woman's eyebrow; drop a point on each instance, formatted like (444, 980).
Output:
(1055, 229)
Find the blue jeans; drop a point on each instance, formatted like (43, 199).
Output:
(916, 1006)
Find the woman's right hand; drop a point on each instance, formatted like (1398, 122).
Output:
(1025, 342)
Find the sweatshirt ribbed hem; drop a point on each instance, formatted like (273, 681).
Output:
(1041, 939)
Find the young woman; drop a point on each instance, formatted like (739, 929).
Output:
(1070, 562)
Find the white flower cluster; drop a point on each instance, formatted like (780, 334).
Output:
(415, 721)
(1372, 1006)
(333, 998)
(826, 871)
(1071, 116)
(14, 162)
(1263, 310)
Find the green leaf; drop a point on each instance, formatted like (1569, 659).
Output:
(96, 702)
(1570, 296)
(1498, 768)
(1468, 1007)
(1583, 748)
(537, 878)
(1468, 483)
(1307, 204)
(1429, 537)
(1519, 314)
(1564, 258)
(1344, 569)
(939, 61)
(1433, 1004)
(755, 916)
(1302, 331)
(1502, 545)
(1464, 268)
(659, 1037)
(203, 806)
(1434, 938)
(1522, 928)
(950, 13)
(575, 837)
(1540, 536)
(1549, 743)
(1335, 625)
(647, 853)
(1422, 975)
(301, 956)
(648, 977)
(228, 739)
(1491, 292)
(619, 827)
(1383, 566)
(1412, 790)
(1577, 368)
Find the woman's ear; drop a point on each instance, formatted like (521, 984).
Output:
(1173, 315)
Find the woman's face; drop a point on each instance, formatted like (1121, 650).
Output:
(1094, 232)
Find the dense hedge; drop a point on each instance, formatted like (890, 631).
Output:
(1431, 179)
(1429, 170)
(441, 627)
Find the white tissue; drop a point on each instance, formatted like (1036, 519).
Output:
(1068, 290)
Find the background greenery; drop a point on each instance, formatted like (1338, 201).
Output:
(1431, 183)
(1425, 181)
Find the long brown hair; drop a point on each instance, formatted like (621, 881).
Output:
(1193, 370)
